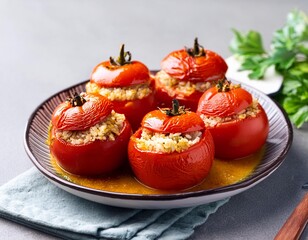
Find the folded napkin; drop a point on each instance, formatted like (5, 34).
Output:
(30, 199)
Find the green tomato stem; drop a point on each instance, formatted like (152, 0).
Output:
(122, 59)
(76, 100)
(197, 50)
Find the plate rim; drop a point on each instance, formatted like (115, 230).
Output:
(161, 197)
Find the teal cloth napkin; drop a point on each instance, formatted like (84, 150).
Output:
(30, 199)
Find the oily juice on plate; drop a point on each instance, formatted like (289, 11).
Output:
(222, 173)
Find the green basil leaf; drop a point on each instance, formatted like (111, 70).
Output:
(300, 117)
(283, 59)
(291, 86)
(249, 44)
(288, 54)
(299, 71)
(298, 20)
(292, 104)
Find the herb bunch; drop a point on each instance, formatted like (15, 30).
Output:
(288, 54)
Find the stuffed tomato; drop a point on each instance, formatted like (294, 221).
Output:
(186, 74)
(172, 150)
(127, 84)
(87, 136)
(236, 120)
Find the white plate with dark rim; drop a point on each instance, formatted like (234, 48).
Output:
(276, 147)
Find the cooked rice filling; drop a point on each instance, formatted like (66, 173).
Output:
(134, 92)
(185, 87)
(108, 129)
(250, 111)
(167, 143)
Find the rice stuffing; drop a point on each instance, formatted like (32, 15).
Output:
(108, 129)
(250, 111)
(167, 143)
(138, 91)
(185, 87)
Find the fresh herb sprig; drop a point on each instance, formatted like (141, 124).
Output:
(288, 54)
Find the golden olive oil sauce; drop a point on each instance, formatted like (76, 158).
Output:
(222, 173)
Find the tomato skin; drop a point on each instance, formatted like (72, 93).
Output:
(94, 158)
(235, 138)
(223, 104)
(182, 66)
(240, 138)
(93, 111)
(164, 97)
(107, 75)
(175, 171)
(158, 121)
(134, 110)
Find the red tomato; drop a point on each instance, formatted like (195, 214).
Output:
(164, 96)
(136, 109)
(224, 104)
(126, 73)
(158, 122)
(183, 66)
(176, 170)
(107, 75)
(195, 65)
(71, 115)
(92, 158)
(236, 138)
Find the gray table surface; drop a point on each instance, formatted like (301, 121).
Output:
(46, 46)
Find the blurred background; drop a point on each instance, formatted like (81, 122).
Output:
(76, 35)
(44, 41)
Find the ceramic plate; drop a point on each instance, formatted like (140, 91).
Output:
(277, 146)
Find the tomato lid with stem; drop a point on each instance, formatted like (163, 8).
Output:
(120, 71)
(223, 100)
(173, 120)
(194, 64)
(81, 112)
